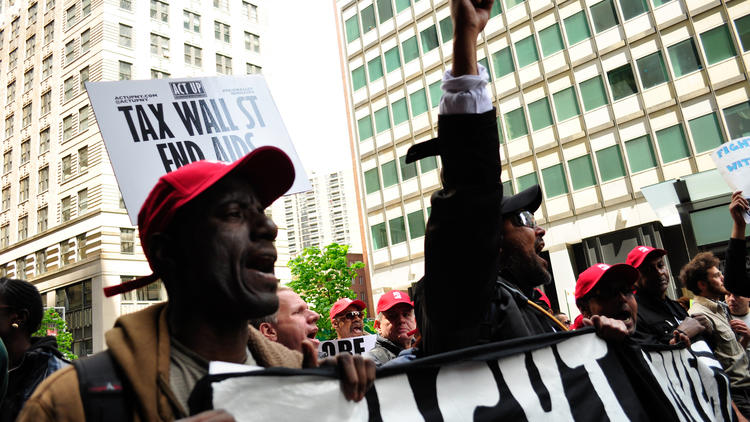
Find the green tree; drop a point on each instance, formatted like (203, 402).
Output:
(53, 320)
(321, 277)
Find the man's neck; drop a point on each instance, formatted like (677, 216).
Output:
(211, 339)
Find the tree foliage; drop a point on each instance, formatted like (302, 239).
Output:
(64, 338)
(321, 277)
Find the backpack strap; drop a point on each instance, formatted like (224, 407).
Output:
(103, 392)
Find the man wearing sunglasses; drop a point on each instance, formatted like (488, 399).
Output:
(347, 318)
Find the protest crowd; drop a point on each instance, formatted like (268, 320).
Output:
(206, 237)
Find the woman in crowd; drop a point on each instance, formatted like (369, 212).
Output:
(31, 359)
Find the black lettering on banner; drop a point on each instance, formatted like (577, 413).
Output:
(329, 348)
(345, 346)
(145, 125)
(359, 346)
(208, 118)
(188, 112)
(133, 132)
(221, 155)
(228, 115)
(249, 116)
(158, 111)
(219, 118)
(178, 154)
(248, 140)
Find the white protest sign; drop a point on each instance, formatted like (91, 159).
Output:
(155, 126)
(354, 345)
(733, 161)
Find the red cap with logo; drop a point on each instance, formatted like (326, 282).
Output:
(394, 297)
(588, 279)
(344, 303)
(639, 254)
(267, 169)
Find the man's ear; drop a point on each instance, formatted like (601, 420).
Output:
(702, 285)
(162, 253)
(268, 331)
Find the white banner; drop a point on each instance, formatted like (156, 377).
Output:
(155, 126)
(354, 345)
(733, 161)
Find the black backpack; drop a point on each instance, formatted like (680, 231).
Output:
(104, 395)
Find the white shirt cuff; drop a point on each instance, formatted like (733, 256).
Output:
(465, 94)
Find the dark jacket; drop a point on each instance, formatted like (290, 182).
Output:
(736, 277)
(459, 301)
(39, 362)
(383, 351)
(657, 319)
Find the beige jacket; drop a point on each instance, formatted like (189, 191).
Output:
(139, 343)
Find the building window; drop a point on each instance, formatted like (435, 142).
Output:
(25, 151)
(85, 7)
(364, 127)
(652, 70)
(43, 179)
(193, 55)
(70, 51)
(159, 10)
(191, 21)
(21, 267)
(398, 230)
(429, 38)
(352, 28)
(67, 127)
(382, 120)
(526, 52)
(6, 198)
(581, 172)
(83, 159)
(23, 228)
(126, 70)
(515, 123)
(400, 111)
(64, 252)
(418, 101)
(428, 164)
(10, 92)
(221, 4)
(372, 180)
(30, 46)
(684, 58)
(26, 115)
(368, 18)
(610, 163)
(250, 11)
(127, 241)
(551, 40)
(738, 120)
(252, 69)
(158, 74)
(390, 174)
(81, 246)
(385, 10)
(640, 154)
(593, 94)
(126, 4)
(44, 140)
(126, 36)
(379, 236)
(83, 77)
(622, 82)
(28, 80)
(672, 143)
(706, 132)
(566, 104)
(40, 262)
(392, 60)
(631, 9)
(410, 49)
(85, 41)
(743, 30)
(5, 236)
(252, 42)
(46, 102)
(7, 161)
(32, 14)
(65, 208)
(408, 170)
(71, 16)
(9, 126)
(223, 64)
(375, 69)
(77, 301)
(50, 5)
(717, 44)
(416, 224)
(526, 181)
(540, 114)
(554, 181)
(67, 167)
(221, 32)
(13, 59)
(358, 76)
(446, 27)
(41, 220)
(576, 28)
(47, 67)
(159, 45)
(83, 201)
(83, 118)
(49, 32)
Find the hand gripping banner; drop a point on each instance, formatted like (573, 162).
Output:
(573, 376)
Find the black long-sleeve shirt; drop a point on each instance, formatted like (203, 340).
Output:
(736, 275)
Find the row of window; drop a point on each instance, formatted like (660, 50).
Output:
(397, 229)
(160, 43)
(389, 173)
(400, 111)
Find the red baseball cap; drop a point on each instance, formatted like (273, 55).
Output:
(639, 254)
(388, 300)
(588, 279)
(268, 169)
(344, 303)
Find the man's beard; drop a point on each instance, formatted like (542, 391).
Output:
(525, 270)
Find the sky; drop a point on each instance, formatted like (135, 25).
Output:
(302, 67)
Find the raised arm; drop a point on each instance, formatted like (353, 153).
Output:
(469, 19)
(736, 278)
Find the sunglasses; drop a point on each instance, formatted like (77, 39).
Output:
(523, 219)
(352, 315)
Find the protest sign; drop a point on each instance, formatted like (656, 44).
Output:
(355, 345)
(571, 376)
(733, 161)
(155, 126)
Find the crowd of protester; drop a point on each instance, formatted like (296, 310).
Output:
(205, 235)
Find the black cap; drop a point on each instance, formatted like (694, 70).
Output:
(528, 199)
